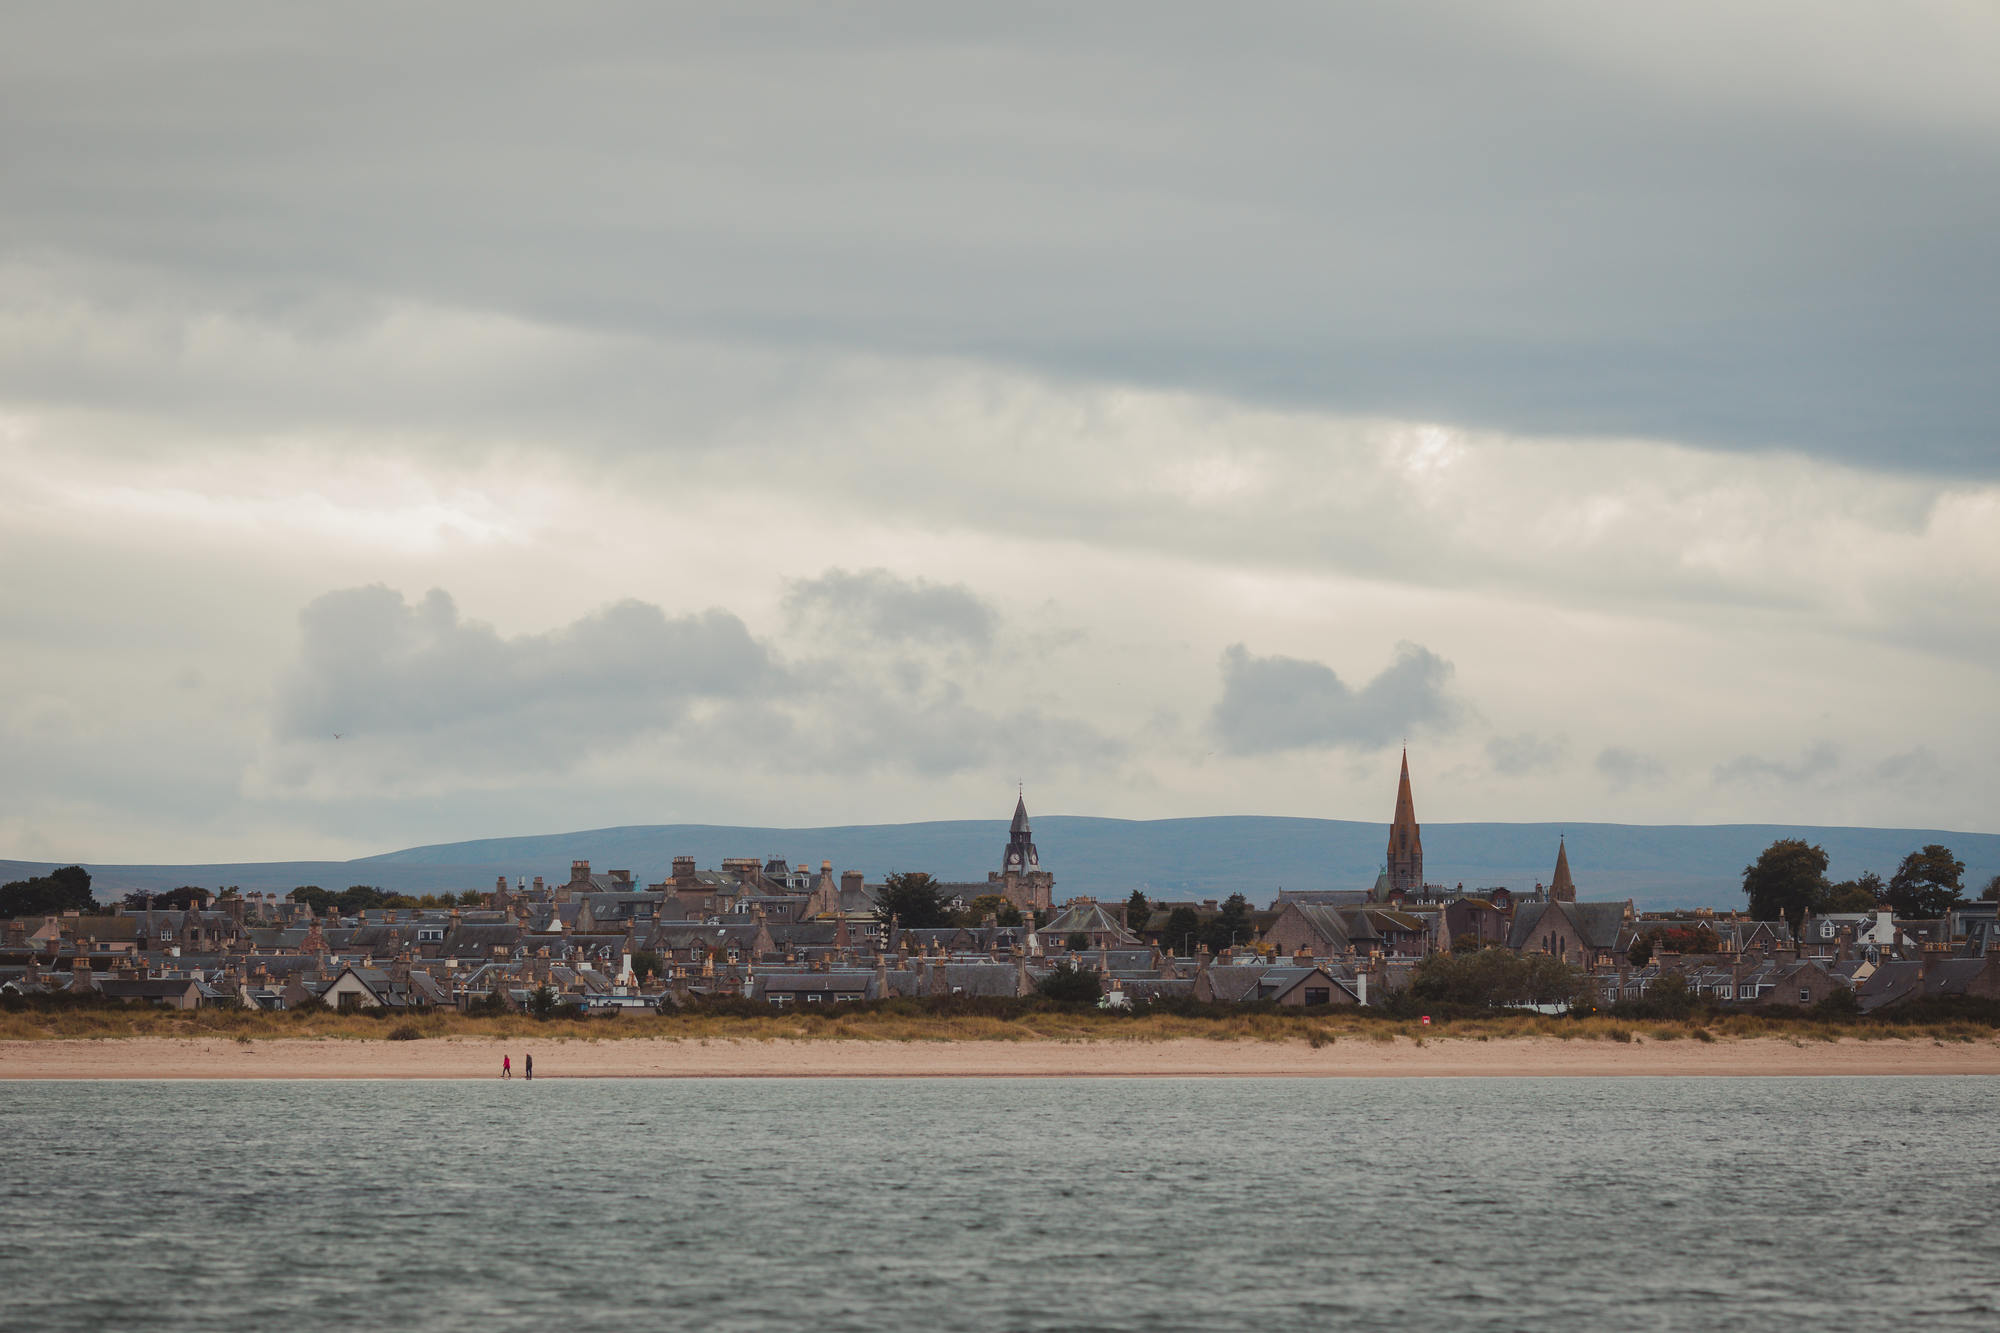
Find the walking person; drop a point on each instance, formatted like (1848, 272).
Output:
(527, 1066)
(506, 1066)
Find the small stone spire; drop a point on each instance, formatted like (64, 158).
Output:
(1562, 888)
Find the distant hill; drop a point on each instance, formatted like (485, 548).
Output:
(1655, 865)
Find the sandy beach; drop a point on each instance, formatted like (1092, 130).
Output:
(465, 1057)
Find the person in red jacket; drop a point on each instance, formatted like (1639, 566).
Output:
(506, 1067)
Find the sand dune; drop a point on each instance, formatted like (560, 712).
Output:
(467, 1057)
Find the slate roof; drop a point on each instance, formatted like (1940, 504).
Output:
(1326, 923)
(1085, 919)
(1596, 924)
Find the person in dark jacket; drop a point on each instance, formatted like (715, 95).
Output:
(527, 1066)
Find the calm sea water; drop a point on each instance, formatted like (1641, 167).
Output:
(1026, 1204)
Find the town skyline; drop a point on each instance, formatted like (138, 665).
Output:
(1654, 866)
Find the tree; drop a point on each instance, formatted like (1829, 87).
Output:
(1641, 952)
(1854, 895)
(1698, 938)
(1928, 884)
(1077, 942)
(471, 898)
(1183, 925)
(647, 963)
(1493, 978)
(994, 905)
(359, 898)
(64, 890)
(1229, 926)
(1670, 997)
(186, 898)
(1992, 893)
(912, 899)
(1137, 912)
(319, 901)
(1068, 983)
(545, 1002)
(1552, 981)
(1787, 880)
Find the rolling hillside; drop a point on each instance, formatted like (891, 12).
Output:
(1657, 866)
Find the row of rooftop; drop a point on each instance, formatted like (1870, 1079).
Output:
(606, 944)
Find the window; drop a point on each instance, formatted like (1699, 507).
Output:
(1805, 996)
(1726, 992)
(1319, 995)
(814, 998)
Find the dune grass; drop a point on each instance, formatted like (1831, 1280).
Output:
(907, 1021)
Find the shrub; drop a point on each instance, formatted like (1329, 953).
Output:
(405, 1032)
(1667, 997)
(1067, 983)
(1494, 978)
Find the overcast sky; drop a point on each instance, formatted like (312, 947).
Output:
(434, 421)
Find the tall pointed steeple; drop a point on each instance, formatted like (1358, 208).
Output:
(1562, 888)
(1020, 854)
(1406, 843)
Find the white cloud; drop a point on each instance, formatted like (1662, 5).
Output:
(1625, 767)
(1283, 703)
(1817, 763)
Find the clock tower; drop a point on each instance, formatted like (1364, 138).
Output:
(1021, 879)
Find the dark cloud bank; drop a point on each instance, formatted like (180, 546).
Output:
(1513, 218)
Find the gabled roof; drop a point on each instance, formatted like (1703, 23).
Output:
(1079, 918)
(1596, 924)
(1326, 923)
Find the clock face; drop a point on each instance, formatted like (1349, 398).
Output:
(1013, 858)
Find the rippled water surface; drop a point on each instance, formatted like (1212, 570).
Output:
(1024, 1204)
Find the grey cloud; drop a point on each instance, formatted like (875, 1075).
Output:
(1435, 210)
(878, 605)
(1817, 762)
(933, 730)
(1270, 704)
(1623, 768)
(1918, 765)
(382, 684)
(1525, 753)
(373, 666)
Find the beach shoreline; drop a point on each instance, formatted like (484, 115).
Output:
(156, 1058)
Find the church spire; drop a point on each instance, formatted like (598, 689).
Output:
(1020, 854)
(1562, 888)
(1406, 843)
